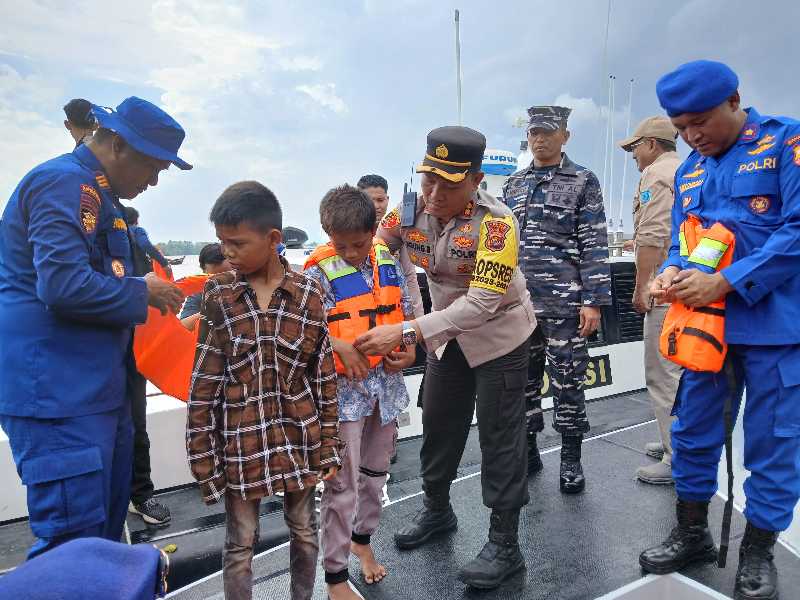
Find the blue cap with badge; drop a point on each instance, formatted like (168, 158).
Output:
(696, 87)
(146, 127)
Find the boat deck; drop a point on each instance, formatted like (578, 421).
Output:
(576, 547)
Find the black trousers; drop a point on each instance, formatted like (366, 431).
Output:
(496, 390)
(141, 484)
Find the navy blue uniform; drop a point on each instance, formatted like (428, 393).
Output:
(69, 306)
(753, 190)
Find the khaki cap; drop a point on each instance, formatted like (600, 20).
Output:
(660, 128)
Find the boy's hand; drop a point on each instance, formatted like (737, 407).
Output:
(329, 473)
(397, 360)
(355, 363)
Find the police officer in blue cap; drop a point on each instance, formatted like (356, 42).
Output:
(69, 305)
(744, 173)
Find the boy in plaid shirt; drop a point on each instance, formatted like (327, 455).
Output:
(362, 287)
(262, 411)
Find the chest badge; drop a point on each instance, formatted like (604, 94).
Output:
(466, 228)
(468, 209)
(415, 235)
(424, 262)
(687, 200)
(644, 198)
(496, 232)
(759, 204)
(796, 153)
(762, 145)
(464, 242)
(696, 173)
(749, 133)
(118, 268)
(464, 268)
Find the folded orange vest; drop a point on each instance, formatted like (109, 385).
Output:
(694, 337)
(164, 348)
(359, 309)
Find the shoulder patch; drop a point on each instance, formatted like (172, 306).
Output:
(391, 219)
(89, 208)
(496, 257)
(792, 140)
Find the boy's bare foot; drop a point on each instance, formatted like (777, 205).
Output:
(342, 591)
(371, 569)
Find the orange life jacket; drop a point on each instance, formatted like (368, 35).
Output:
(694, 337)
(164, 348)
(359, 309)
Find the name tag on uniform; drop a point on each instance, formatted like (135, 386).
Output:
(409, 209)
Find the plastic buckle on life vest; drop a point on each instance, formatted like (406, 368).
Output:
(672, 348)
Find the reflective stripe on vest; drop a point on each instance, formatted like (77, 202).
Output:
(708, 252)
(682, 240)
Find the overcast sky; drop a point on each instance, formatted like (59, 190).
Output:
(303, 96)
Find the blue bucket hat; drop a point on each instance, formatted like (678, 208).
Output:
(146, 127)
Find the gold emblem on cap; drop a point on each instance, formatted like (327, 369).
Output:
(441, 151)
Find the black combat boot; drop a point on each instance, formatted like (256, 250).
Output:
(687, 543)
(534, 460)
(757, 577)
(500, 557)
(571, 480)
(435, 517)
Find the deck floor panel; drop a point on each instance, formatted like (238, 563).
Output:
(576, 547)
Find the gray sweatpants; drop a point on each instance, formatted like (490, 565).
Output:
(351, 501)
(661, 376)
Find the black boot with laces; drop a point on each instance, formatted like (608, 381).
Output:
(689, 542)
(571, 479)
(756, 577)
(436, 517)
(500, 557)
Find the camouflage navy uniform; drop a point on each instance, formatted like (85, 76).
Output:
(564, 256)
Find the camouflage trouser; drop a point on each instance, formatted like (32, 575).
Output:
(568, 355)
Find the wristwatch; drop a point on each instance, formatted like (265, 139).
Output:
(409, 335)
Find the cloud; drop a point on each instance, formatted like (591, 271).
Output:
(300, 63)
(325, 95)
(304, 98)
(28, 137)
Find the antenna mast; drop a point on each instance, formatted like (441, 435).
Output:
(458, 66)
(625, 164)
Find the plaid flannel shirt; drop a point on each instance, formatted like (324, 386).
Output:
(262, 411)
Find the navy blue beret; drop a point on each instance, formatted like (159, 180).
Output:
(696, 86)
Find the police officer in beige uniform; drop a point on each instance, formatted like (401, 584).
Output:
(477, 338)
(653, 148)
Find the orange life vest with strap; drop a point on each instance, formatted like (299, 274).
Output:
(694, 337)
(358, 308)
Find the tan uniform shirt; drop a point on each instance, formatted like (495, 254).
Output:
(652, 204)
(478, 293)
